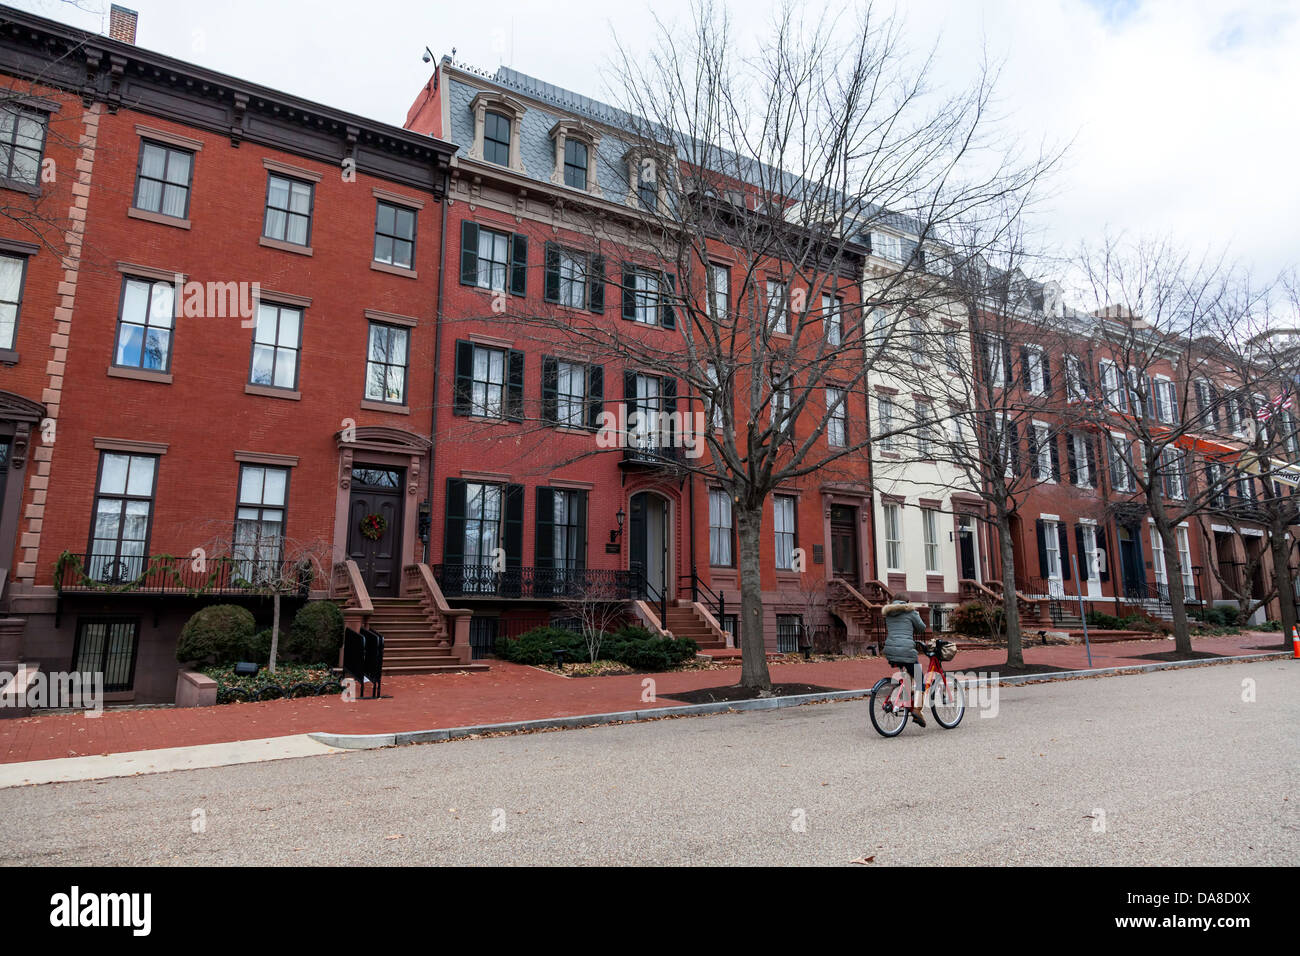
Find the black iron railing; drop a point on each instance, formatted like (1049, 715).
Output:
(483, 580)
(789, 637)
(701, 593)
(653, 456)
(166, 574)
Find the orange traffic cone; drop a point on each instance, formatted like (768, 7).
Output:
(1295, 642)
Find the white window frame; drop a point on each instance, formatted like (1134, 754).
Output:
(1084, 477)
(930, 537)
(1037, 377)
(892, 514)
(837, 420)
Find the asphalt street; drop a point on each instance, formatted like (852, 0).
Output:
(1173, 767)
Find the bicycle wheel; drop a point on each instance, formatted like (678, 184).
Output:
(888, 720)
(948, 702)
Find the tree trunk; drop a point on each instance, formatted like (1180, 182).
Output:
(1010, 603)
(275, 629)
(1281, 548)
(753, 643)
(1174, 581)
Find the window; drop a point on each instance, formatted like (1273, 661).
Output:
(386, 361)
(493, 259)
(780, 403)
(482, 534)
(570, 393)
(643, 431)
(880, 328)
(952, 350)
(1043, 450)
(721, 533)
(930, 535)
(575, 163)
(719, 282)
(123, 513)
(716, 417)
(927, 429)
(1166, 399)
(1172, 472)
(893, 536)
(1121, 464)
(1035, 371)
(107, 646)
(162, 183)
(487, 382)
(569, 536)
(786, 537)
(570, 278)
(645, 291)
(1112, 388)
(395, 235)
(997, 356)
(778, 312)
(276, 341)
(1245, 486)
(288, 210)
(496, 138)
(22, 143)
(789, 633)
(885, 423)
(837, 422)
(1089, 555)
(887, 246)
(1081, 456)
(1218, 488)
(1052, 549)
(12, 271)
(144, 329)
(831, 307)
(1075, 384)
(1185, 559)
(1158, 562)
(259, 522)
(917, 332)
(1207, 404)
(647, 188)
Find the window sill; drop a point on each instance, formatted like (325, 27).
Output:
(373, 406)
(488, 420)
(284, 246)
(394, 270)
(20, 187)
(8, 357)
(270, 391)
(160, 218)
(140, 374)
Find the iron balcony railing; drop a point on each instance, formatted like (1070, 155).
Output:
(483, 580)
(165, 574)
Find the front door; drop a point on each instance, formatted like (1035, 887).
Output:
(1130, 557)
(648, 541)
(844, 543)
(375, 528)
(966, 548)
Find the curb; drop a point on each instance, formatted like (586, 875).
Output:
(375, 741)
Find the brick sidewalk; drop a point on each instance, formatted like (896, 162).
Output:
(506, 692)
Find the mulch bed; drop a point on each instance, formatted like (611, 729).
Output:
(1178, 656)
(710, 695)
(1003, 670)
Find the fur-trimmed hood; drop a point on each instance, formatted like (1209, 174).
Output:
(891, 609)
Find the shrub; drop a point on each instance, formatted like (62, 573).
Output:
(655, 654)
(634, 646)
(316, 634)
(972, 618)
(218, 633)
(538, 646)
(1271, 626)
(258, 648)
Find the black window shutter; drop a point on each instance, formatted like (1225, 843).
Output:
(453, 530)
(550, 400)
(1042, 547)
(515, 386)
(667, 310)
(1083, 555)
(468, 253)
(1031, 436)
(629, 294)
(629, 388)
(595, 394)
(1007, 370)
(514, 527)
(544, 540)
(1094, 479)
(1053, 440)
(552, 291)
(464, 378)
(596, 285)
(1063, 537)
(1151, 397)
(668, 388)
(1070, 461)
(581, 497)
(519, 265)
(1013, 443)
(1101, 543)
(1025, 378)
(1047, 373)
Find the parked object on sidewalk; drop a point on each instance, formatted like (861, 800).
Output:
(363, 659)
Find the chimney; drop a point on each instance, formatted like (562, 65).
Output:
(121, 24)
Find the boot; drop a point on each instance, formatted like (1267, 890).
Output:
(917, 716)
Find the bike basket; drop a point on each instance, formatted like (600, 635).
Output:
(947, 650)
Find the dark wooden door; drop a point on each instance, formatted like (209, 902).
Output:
(380, 559)
(844, 543)
(967, 542)
(1130, 556)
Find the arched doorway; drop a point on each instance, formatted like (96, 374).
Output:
(649, 542)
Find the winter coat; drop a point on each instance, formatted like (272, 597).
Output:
(901, 624)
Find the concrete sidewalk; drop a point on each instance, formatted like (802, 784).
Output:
(506, 693)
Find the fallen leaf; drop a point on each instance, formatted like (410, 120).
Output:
(394, 836)
(864, 860)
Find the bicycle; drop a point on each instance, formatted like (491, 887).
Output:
(889, 703)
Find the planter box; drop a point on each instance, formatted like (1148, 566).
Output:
(195, 690)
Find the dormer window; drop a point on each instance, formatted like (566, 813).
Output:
(647, 187)
(575, 154)
(497, 120)
(575, 164)
(645, 178)
(496, 138)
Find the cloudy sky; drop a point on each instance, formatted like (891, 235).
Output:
(1181, 114)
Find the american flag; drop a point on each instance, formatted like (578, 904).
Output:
(1275, 405)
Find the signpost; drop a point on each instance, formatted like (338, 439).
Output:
(1082, 616)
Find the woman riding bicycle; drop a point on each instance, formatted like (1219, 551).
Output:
(902, 624)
